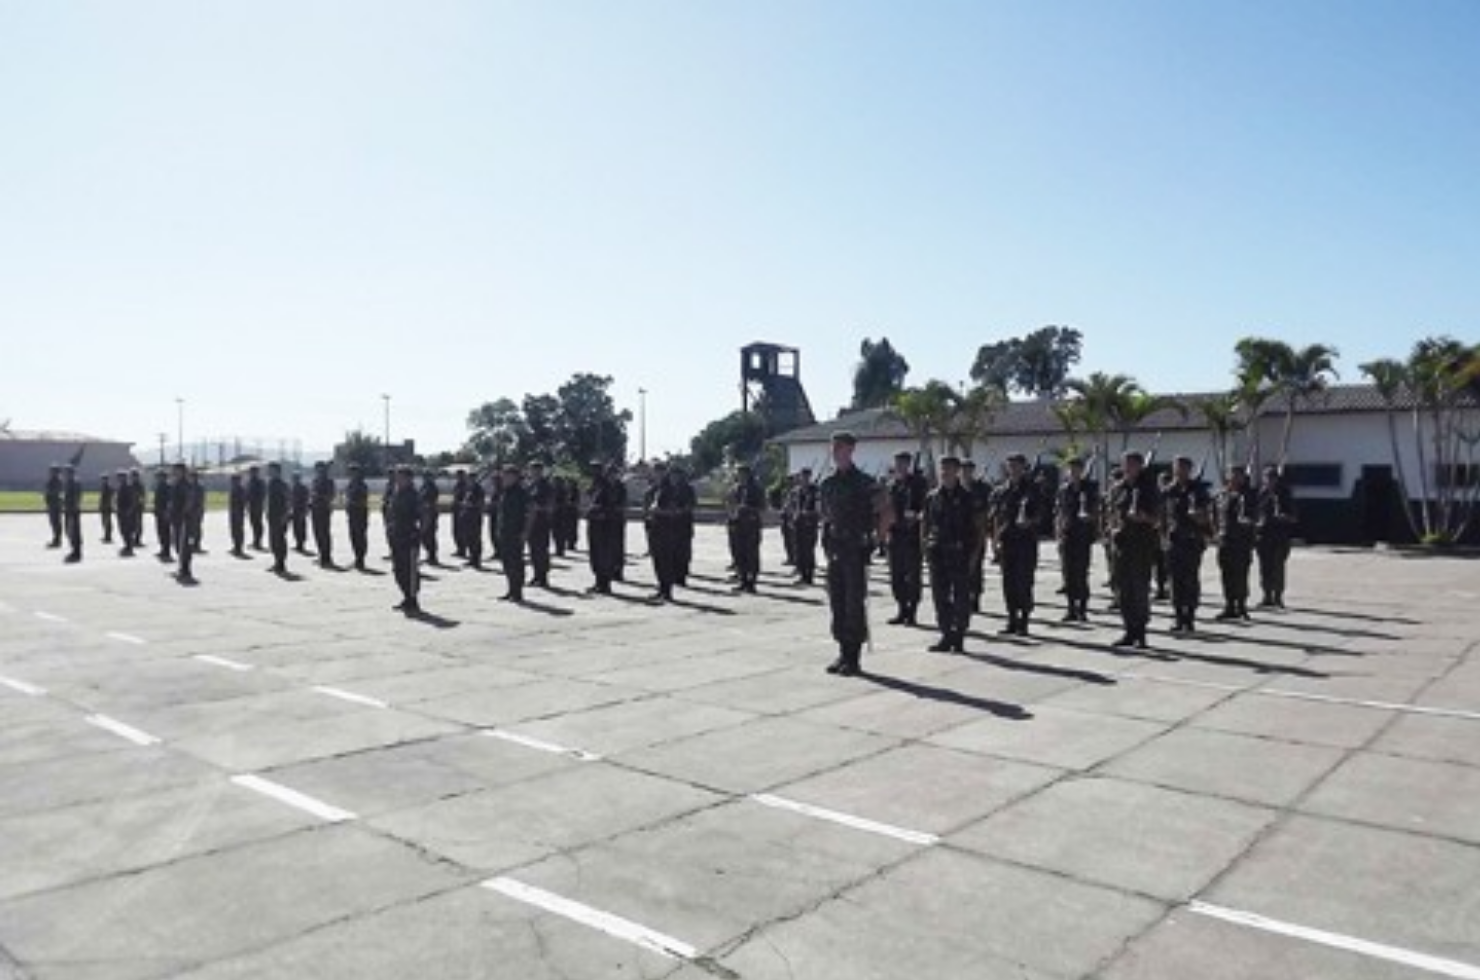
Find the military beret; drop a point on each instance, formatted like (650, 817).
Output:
(805, 471)
(1183, 460)
(968, 464)
(1017, 458)
(904, 454)
(1133, 454)
(950, 461)
(845, 437)
(511, 468)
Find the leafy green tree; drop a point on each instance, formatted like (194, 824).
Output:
(541, 429)
(880, 374)
(1102, 402)
(1036, 364)
(1273, 369)
(497, 430)
(739, 435)
(927, 412)
(363, 448)
(587, 424)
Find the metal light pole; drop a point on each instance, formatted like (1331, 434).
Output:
(642, 425)
(387, 434)
(180, 426)
(162, 438)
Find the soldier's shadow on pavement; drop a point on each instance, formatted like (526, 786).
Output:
(288, 576)
(700, 607)
(373, 572)
(1343, 614)
(539, 607)
(562, 592)
(433, 620)
(1029, 667)
(1002, 709)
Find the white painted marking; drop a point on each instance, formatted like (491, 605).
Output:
(50, 617)
(210, 658)
(1275, 692)
(1392, 954)
(22, 687)
(125, 638)
(847, 820)
(541, 745)
(612, 925)
(352, 697)
(118, 728)
(293, 798)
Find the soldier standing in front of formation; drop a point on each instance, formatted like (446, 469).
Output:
(299, 520)
(357, 513)
(53, 497)
(1135, 509)
(1236, 507)
(471, 521)
(162, 515)
(236, 514)
(182, 519)
(279, 507)
(403, 513)
(1076, 513)
(1275, 528)
(430, 515)
(459, 526)
(139, 496)
(805, 526)
(850, 514)
(950, 538)
(1019, 508)
(907, 491)
(747, 502)
(72, 513)
(515, 521)
(662, 519)
(105, 507)
(125, 503)
(256, 502)
(321, 509)
(542, 510)
(1187, 524)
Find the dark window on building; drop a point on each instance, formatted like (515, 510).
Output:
(1313, 474)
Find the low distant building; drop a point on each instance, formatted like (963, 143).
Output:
(1340, 464)
(25, 456)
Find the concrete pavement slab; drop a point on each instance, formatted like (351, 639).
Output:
(1239, 767)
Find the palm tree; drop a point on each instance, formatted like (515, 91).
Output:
(926, 412)
(972, 419)
(1139, 407)
(1306, 376)
(1390, 378)
(1221, 415)
(1102, 402)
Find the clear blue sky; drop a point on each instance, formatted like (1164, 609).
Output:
(279, 210)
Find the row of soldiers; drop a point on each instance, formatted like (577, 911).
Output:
(1143, 522)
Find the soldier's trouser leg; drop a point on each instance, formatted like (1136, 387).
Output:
(359, 527)
(493, 542)
(750, 548)
(162, 532)
(429, 540)
(596, 557)
(1233, 566)
(1134, 569)
(512, 552)
(1160, 569)
(256, 516)
(905, 564)
(472, 540)
(847, 592)
(788, 542)
(323, 541)
(806, 551)
(403, 563)
(300, 530)
(138, 528)
(107, 527)
(459, 536)
(685, 557)
(238, 531)
(181, 531)
(1074, 555)
(54, 516)
(277, 536)
(732, 535)
(74, 533)
(1185, 565)
(539, 550)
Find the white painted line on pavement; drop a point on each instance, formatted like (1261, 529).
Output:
(211, 658)
(612, 925)
(293, 798)
(1392, 954)
(846, 819)
(50, 617)
(123, 731)
(541, 745)
(125, 638)
(22, 687)
(1275, 692)
(352, 697)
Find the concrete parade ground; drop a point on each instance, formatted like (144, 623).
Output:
(257, 778)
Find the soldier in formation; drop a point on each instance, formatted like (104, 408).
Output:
(806, 523)
(322, 494)
(53, 497)
(404, 512)
(747, 503)
(541, 515)
(1076, 517)
(1234, 516)
(663, 518)
(256, 504)
(106, 502)
(1188, 526)
(279, 510)
(606, 513)
(1018, 508)
(907, 491)
(236, 514)
(850, 506)
(357, 514)
(1274, 527)
(1135, 513)
(950, 532)
(299, 497)
(515, 522)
